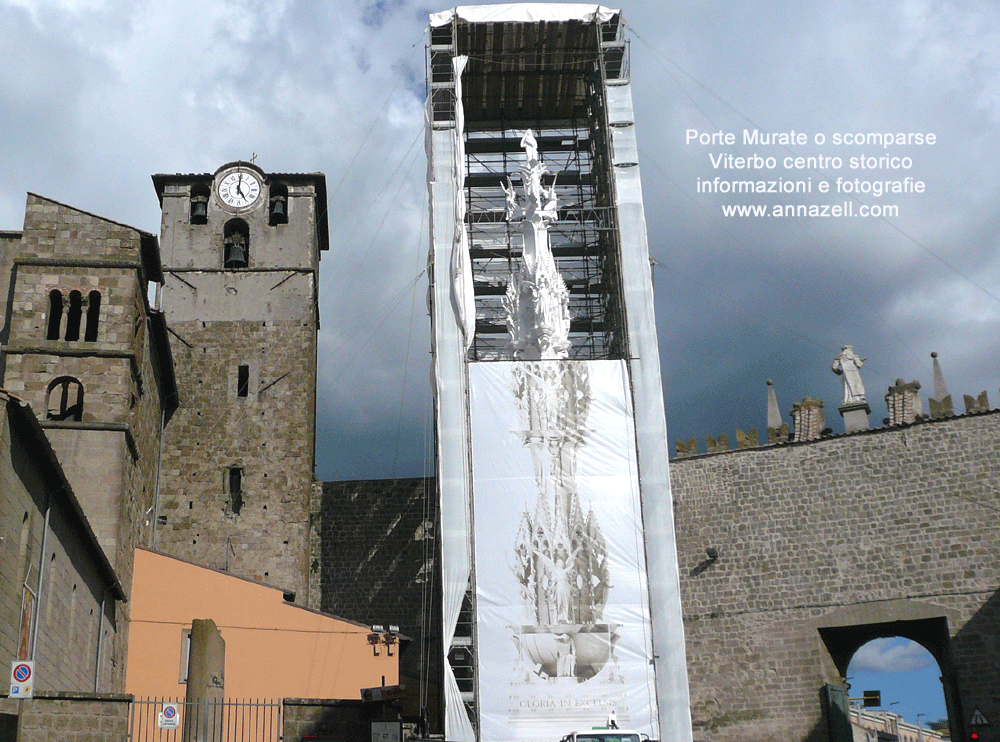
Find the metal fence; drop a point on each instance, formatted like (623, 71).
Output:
(226, 720)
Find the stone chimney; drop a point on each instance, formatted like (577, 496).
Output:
(903, 402)
(809, 419)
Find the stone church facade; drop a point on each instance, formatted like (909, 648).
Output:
(82, 347)
(174, 379)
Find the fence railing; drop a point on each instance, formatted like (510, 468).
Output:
(226, 720)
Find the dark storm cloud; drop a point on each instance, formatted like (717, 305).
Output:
(740, 301)
(97, 95)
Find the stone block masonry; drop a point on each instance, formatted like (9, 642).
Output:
(239, 452)
(348, 721)
(858, 530)
(375, 552)
(80, 349)
(72, 717)
(377, 549)
(267, 435)
(75, 646)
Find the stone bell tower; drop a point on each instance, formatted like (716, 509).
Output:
(241, 251)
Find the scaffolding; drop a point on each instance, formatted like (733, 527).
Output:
(549, 77)
(562, 71)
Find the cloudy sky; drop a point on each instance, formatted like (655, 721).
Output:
(96, 95)
(905, 673)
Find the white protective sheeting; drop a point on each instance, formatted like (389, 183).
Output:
(524, 13)
(563, 620)
(651, 431)
(463, 295)
(450, 413)
(456, 581)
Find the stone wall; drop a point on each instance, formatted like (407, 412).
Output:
(111, 454)
(72, 637)
(72, 717)
(892, 525)
(347, 721)
(50, 227)
(268, 434)
(374, 545)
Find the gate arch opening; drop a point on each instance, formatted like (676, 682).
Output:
(909, 679)
(843, 642)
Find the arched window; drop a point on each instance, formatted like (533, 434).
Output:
(278, 204)
(199, 204)
(93, 315)
(236, 244)
(73, 315)
(65, 399)
(55, 314)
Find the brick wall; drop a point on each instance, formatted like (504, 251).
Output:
(892, 525)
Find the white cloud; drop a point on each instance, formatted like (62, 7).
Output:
(892, 654)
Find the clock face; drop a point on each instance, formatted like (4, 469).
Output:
(239, 189)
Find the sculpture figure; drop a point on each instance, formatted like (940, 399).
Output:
(537, 300)
(511, 200)
(530, 146)
(848, 365)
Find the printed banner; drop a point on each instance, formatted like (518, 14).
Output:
(562, 602)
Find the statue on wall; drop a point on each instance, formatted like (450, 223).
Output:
(848, 365)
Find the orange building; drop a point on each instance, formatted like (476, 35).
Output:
(274, 648)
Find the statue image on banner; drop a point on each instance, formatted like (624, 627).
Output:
(560, 554)
(561, 558)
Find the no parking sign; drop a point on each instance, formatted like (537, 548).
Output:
(170, 716)
(22, 678)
